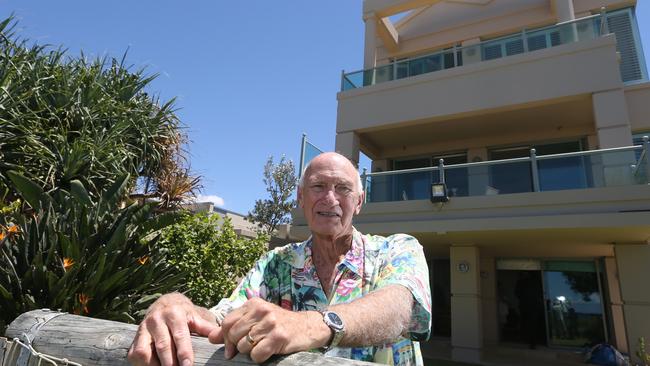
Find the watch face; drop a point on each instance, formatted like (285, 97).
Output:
(334, 319)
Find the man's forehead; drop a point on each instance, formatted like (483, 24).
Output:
(335, 175)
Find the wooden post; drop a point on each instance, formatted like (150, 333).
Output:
(97, 342)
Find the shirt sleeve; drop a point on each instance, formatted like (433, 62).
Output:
(405, 265)
(252, 285)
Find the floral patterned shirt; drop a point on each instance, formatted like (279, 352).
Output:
(286, 276)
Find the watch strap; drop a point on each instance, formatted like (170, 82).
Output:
(338, 330)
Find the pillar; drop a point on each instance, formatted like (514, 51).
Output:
(564, 10)
(613, 130)
(370, 46)
(466, 317)
(565, 13)
(634, 271)
(489, 300)
(612, 119)
(381, 186)
(347, 144)
(618, 338)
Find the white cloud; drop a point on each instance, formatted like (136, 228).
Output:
(218, 201)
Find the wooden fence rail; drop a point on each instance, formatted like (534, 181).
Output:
(96, 342)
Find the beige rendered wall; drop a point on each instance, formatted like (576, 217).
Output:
(488, 278)
(444, 23)
(611, 118)
(617, 321)
(549, 74)
(633, 262)
(592, 212)
(447, 23)
(466, 311)
(637, 98)
(477, 147)
(347, 144)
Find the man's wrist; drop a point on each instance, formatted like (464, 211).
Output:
(165, 300)
(337, 328)
(320, 334)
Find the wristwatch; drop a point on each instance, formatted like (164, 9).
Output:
(334, 321)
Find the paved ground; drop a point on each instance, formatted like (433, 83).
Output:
(511, 355)
(432, 362)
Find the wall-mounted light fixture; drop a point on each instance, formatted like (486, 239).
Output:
(439, 193)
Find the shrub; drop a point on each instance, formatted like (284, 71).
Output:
(642, 354)
(67, 251)
(207, 248)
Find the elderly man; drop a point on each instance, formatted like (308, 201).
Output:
(350, 295)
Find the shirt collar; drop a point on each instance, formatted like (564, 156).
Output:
(353, 258)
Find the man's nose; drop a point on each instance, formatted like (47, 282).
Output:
(330, 195)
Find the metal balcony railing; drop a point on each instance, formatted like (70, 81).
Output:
(623, 166)
(523, 42)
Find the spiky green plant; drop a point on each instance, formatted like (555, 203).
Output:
(82, 255)
(65, 119)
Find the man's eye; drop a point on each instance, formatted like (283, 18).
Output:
(317, 187)
(343, 189)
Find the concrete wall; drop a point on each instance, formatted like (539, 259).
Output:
(617, 319)
(441, 24)
(637, 98)
(447, 23)
(566, 70)
(466, 304)
(488, 279)
(633, 262)
(599, 214)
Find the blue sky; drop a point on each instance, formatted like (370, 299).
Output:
(249, 76)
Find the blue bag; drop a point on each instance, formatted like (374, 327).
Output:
(605, 355)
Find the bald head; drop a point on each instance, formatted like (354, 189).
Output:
(331, 159)
(330, 195)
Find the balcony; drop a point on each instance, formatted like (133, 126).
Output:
(615, 167)
(534, 79)
(597, 195)
(526, 41)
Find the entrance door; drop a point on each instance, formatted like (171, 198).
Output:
(520, 302)
(573, 304)
(440, 276)
(558, 303)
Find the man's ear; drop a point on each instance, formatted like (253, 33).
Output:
(299, 196)
(362, 199)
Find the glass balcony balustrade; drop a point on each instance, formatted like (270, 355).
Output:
(577, 170)
(642, 169)
(525, 41)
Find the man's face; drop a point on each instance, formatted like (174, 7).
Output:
(330, 196)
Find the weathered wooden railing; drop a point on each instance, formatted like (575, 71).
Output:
(96, 342)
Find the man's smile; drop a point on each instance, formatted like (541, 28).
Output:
(328, 213)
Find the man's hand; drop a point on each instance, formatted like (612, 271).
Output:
(262, 330)
(163, 337)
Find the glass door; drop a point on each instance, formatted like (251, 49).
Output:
(561, 173)
(511, 177)
(574, 309)
(412, 186)
(440, 277)
(521, 302)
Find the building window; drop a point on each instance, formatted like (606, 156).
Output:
(416, 186)
(555, 174)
